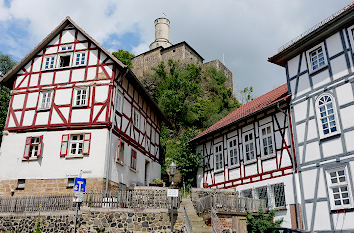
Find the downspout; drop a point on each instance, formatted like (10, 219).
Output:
(298, 224)
(109, 144)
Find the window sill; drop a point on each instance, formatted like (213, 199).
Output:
(132, 169)
(80, 106)
(218, 171)
(74, 156)
(327, 136)
(43, 109)
(313, 72)
(342, 210)
(249, 162)
(234, 166)
(121, 163)
(265, 157)
(30, 159)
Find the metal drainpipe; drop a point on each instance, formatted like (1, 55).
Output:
(293, 171)
(108, 157)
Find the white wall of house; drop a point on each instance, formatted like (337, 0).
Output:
(318, 153)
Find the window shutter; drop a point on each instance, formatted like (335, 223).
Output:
(40, 146)
(27, 147)
(64, 145)
(87, 142)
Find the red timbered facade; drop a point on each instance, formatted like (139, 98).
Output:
(74, 104)
(251, 150)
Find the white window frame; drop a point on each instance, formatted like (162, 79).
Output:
(245, 144)
(64, 54)
(351, 36)
(267, 135)
(76, 95)
(119, 102)
(136, 118)
(218, 157)
(120, 152)
(45, 60)
(43, 97)
(231, 149)
(319, 120)
(66, 46)
(80, 58)
(340, 184)
(309, 61)
(77, 143)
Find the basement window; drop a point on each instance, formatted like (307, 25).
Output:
(64, 60)
(71, 182)
(21, 184)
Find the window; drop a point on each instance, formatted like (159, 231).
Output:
(233, 152)
(218, 157)
(65, 48)
(71, 182)
(326, 116)
(75, 145)
(45, 100)
(21, 184)
(248, 147)
(120, 152)
(80, 58)
(279, 195)
(64, 60)
(81, 96)
(340, 194)
(49, 62)
(136, 118)
(33, 148)
(133, 160)
(262, 193)
(316, 58)
(247, 193)
(267, 141)
(119, 102)
(351, 36)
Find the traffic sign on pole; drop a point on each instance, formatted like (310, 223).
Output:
(80, 185)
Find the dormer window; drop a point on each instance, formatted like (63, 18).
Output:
(65, 48)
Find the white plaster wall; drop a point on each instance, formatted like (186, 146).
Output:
(51, 165)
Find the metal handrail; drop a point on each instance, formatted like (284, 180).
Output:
(187, 222)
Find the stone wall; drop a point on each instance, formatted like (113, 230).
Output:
(220, 66)
(112, 220)
(36, 187)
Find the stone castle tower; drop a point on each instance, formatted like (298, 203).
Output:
(161, 50)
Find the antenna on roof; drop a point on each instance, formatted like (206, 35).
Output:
(223, 59)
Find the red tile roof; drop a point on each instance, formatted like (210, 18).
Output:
(248, 108)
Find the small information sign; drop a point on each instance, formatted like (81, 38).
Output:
(172, 192)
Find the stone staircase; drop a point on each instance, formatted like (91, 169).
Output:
(197, 222)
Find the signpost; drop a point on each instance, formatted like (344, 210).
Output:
(172, 193)
(79, 189)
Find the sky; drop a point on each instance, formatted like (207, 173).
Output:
(242, 33)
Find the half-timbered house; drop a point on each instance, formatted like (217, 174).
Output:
(75, 107)
(319, 72)
(250, 150)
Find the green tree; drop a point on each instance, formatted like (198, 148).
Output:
(6, 64)
(246, 94)
(125, 57)
(192, 98)
(261, 222)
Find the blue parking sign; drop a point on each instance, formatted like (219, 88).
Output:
(80, 184)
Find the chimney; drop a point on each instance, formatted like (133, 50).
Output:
(162, 31)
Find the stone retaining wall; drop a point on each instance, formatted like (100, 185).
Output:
(112, 220)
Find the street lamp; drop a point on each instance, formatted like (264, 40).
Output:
(172, 171)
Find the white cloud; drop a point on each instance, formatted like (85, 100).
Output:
(246, 31)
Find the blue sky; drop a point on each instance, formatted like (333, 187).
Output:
(245, 32)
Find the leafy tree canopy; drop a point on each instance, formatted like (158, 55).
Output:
(192, 99)
(125, 57)
(6, 64)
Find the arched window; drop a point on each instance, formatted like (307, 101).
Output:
(327, 116)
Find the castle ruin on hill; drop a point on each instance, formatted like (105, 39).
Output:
(161, 50)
